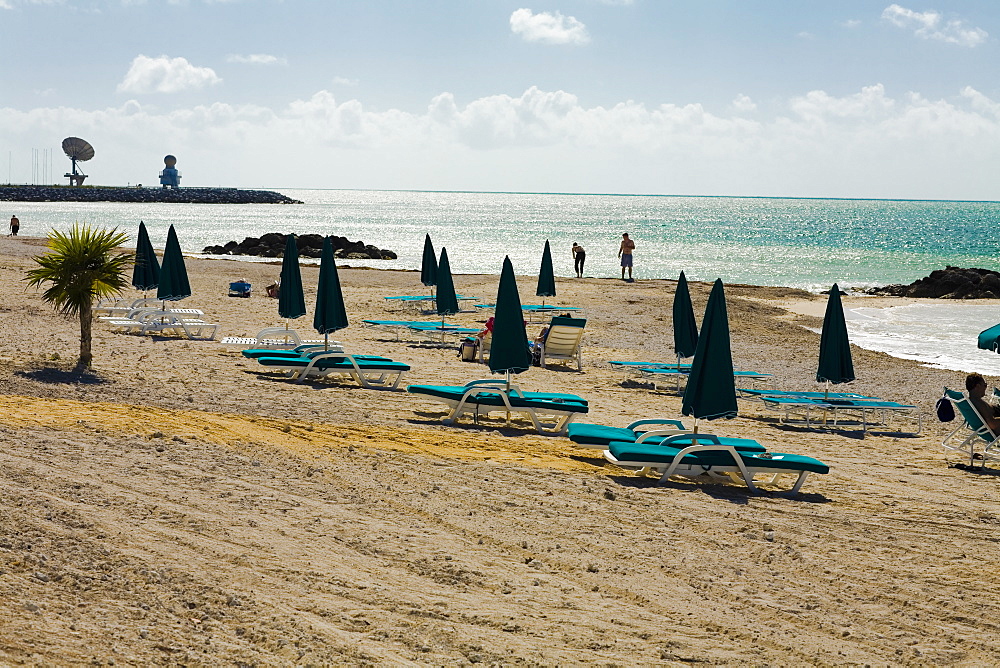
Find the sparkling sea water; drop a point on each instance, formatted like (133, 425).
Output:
(804, 243)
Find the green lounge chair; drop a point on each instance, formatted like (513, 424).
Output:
(746, 393)
(302, 351)
(709, 456)
(676, 374)
(549, 412)
(978, 431)
(838, 413)
(381, 373)
(599, 436)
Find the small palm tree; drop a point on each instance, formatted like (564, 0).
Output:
(81, 266)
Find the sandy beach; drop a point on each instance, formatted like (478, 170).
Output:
(179, 505)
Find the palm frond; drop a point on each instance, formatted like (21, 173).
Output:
(81, 265)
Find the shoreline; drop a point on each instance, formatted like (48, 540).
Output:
(802, 308)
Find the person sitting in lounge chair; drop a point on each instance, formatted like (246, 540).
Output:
(487, 329)
(976, 385)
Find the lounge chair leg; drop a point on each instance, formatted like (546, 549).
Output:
(798, 483)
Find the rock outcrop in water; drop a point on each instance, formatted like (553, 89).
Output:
(140, 195)
(948, 283)
(272, 244)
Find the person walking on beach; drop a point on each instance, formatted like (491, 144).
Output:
(625, 253)
(15, 225)
(976, 385)
(579, 258)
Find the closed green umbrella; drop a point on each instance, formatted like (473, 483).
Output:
(446, 300)
(428, 265)
(835, 363)
(291, 299)
(146, 272)
(509, 351)
(546, 277)
(711, 388)
(685, 327)
(173, 284)
(330, 314)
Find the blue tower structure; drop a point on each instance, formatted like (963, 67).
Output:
(170, 177)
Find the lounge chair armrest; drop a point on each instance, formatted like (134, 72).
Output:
(711, 439)
(486, 381)
(645, 436)
(317, 355)
(639, 423)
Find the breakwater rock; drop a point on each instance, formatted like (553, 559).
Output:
(948, 283)
(272, 244)
(140, 194)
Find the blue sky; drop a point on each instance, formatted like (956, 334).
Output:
(702, 97)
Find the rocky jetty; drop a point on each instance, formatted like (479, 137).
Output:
(272, 244)
(140, 194)
(948, 283)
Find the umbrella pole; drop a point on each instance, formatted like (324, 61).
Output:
(826, 395)
(508, 394)
(326, 341)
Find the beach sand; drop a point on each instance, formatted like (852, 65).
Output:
(180, 506)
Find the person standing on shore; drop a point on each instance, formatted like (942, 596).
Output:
(579, 258)
(15, 225)
(625, 253)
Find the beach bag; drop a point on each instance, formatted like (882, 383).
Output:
(536, 355)
(468, 350)
(945, 409)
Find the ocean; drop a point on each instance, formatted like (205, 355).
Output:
(803, 243)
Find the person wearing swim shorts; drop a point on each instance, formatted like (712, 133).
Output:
(579, 258)
(625, 253)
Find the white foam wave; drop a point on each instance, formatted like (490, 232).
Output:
(942, 336)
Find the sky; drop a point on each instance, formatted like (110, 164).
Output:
(792, 98)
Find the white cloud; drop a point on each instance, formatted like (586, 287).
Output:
(743, 103)
(865, 144)
(805, 34)
(165, 75)
(617, 3)
(4, 4)
(849, 23)
(548, 28)
(255, 59)
(343, 81)
(932, 25)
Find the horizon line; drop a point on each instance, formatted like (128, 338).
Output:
(585, 194)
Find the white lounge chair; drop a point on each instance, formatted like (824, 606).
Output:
(120, 307)
(166, 322)
(563, 342)
(484, 344)
(276, 338)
